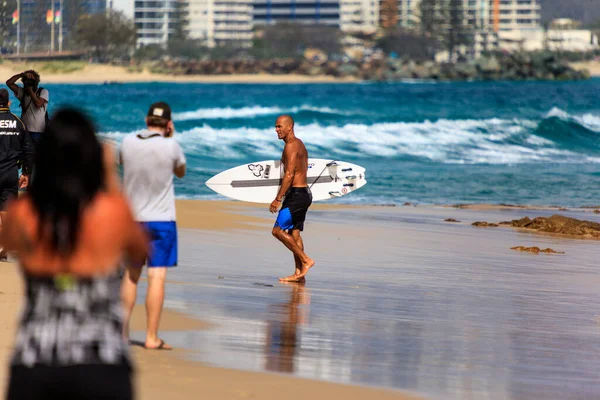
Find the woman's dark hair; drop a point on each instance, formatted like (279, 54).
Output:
(68, 173)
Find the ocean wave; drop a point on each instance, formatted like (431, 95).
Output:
(489, 141)
(589, 121)
(249, 112)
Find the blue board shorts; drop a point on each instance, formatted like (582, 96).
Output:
(294, 208)
(163, 243)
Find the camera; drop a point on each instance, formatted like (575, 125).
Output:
(29, 82)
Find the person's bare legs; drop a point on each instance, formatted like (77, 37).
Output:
(298, 264)
(290, 242)
(129, 295)
(154, 304)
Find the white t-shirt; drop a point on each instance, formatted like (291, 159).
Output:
(34, 118)
(148, 162)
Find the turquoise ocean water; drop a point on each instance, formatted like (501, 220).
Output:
(433, 143)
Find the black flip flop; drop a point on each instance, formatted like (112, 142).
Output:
(161, 346)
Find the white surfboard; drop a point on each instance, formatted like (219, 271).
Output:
(259, 182)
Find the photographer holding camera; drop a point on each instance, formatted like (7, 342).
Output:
(34, 102)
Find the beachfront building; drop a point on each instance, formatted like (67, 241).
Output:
(321, 12)
(158, 21)
(232, 21)
(359, 15)
(515, 15)
(220, 22)
(501, 15)
(488, 21)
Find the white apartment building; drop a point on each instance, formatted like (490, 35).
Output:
(232, 21)
(516, 15)
(359, 15)
(156, 20)
(220, 22)
(510, 15)
(200, 20)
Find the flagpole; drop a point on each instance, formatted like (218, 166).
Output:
(18, 27)
(60, 29)
(52, 30)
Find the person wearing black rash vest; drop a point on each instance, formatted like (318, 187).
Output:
(16, 149)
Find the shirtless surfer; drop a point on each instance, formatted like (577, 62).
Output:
(290, 220)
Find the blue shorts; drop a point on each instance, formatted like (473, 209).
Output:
(294, 208)
(163, 243)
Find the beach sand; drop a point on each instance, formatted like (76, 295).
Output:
(171, 374)
(592, 66)
(398, 299)
(100, 73)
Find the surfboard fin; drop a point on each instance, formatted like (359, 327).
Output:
(335, 194)
(332, 164)
(351, 177)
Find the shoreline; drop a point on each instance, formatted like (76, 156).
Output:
(101, 73)
(109, 74)
(186, 209)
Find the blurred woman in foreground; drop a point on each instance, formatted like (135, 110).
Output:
(70, 233)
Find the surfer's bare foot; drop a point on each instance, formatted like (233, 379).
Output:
(305, 267)
(293, 278)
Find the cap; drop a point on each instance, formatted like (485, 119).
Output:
(4, 97)
(161, 110)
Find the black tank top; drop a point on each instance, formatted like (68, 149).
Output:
(71, 321)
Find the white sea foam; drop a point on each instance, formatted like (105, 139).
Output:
(588, 120)
(491, 141)
(247, 112)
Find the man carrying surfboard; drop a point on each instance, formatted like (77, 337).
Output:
(298, 198)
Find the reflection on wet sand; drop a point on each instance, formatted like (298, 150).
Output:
(403, 300)
(283, 336)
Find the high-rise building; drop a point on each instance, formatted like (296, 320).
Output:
(220, 22)
(359, 15)
(498, 15)
(513, 15)
(158, 21)
(323, 12)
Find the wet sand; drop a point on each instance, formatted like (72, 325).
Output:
(178, 374)
(398, 299)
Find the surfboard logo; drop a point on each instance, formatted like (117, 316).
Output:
(256, 169)
(267, 171)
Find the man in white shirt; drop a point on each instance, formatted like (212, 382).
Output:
(150, 159)
(34, 102)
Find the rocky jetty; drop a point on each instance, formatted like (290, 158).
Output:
(483, 224)
(560, 225)
(511, 67)
(451, 220)
(536, 250)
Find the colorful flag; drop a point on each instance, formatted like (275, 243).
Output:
(49, 17)
(15, 16)
(57, 17)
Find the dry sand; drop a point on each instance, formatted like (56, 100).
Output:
(167, 374)
(99, 73)
(592, 66)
